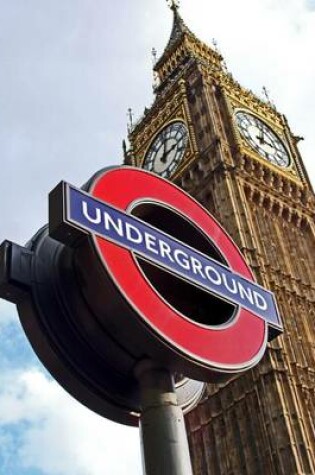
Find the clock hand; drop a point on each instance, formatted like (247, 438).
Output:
(172, 148)
(261, 135)
(167, 152)
(263, 141)
(164, 154)
(268, 142)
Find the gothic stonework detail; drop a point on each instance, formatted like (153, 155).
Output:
(262, 422)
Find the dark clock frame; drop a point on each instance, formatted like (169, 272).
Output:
(173, 131)
(278, 155)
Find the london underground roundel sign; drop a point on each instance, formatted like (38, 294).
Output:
(180, 290)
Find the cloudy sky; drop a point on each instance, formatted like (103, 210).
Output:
(68, 73)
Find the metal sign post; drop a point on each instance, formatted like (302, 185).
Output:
(131, 266)
(162, 427)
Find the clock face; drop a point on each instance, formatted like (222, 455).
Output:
(262, 139)
(167, 150)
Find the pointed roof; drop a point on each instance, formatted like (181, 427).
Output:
(179, 26)
(182, 48)
(179, 29)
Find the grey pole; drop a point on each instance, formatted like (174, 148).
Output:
(163, 434)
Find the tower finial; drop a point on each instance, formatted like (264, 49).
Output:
(266, 94)
(173, 4)
(130, 120)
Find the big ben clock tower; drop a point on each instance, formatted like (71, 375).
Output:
(237, 155)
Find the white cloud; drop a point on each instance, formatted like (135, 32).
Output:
(8, 313)
(59, 436)
(63, 102)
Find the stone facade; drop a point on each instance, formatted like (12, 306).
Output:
(261, 422)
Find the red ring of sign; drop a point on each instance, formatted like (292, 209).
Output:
(239, 345)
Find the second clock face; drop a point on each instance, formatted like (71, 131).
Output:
(262, 139)
(167, 149)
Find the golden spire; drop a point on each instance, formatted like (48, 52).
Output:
(179, 27)
(179, 30)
